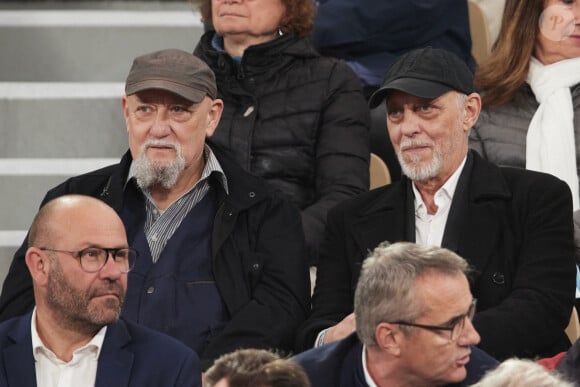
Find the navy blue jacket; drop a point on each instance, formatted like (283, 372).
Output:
(339, 364)
(371, 34)
(131, 356)
(569, 365)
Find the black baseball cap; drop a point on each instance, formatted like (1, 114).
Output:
(427, 73)
(173, 70)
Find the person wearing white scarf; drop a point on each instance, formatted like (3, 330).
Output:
(550, 145)
(535, 125)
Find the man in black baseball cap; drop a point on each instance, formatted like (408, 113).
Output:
(222, 256)
(514, 227)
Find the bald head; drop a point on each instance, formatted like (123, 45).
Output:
(68, 213)
(77, 298)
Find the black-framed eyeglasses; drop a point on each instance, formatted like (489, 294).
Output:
(455, 327)
(93, 259)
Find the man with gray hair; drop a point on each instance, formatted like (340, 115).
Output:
(413, 311)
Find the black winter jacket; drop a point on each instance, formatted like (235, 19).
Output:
(258, 256)
(298, 120)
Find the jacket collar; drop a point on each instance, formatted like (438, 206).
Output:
(115, 360)
(261, 58)
(245, 189)
(488, 184)
(482, 187)
(112, 192)
(18, 358)
(474, 227)
(383, 218)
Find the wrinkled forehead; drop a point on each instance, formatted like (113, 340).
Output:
(159, 96)
(398, 98)
(88, 225)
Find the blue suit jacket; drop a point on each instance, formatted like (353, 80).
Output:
(339, 364)
(131, 356)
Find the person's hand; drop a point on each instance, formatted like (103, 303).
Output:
(341, 330)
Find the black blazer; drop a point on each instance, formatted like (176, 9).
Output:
(513, 226)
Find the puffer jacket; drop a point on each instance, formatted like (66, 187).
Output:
(298, 120)
(500, 133)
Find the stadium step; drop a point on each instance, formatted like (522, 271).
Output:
(61, 81)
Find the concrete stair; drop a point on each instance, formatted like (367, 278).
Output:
(61, 81)
(87, 45)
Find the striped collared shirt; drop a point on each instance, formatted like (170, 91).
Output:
(161, 225)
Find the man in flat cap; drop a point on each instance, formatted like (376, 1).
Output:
(514, 227)
(222, 258)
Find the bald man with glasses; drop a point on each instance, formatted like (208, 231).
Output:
(413, 311)
(78, 258)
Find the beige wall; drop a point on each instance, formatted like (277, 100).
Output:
(493, 9)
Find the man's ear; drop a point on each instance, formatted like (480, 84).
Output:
(38, 265)
(472, 109)
(388, 338)
(213, 116)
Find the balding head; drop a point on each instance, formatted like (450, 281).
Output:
(69, 212)
(73, 288)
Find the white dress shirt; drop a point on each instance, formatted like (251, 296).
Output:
(429, 228)
(51, 371)
(368, 377)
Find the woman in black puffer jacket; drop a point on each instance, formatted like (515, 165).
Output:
(295, 118)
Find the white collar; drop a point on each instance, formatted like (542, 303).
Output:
(448, 188)
(95, 345)
(368, 377)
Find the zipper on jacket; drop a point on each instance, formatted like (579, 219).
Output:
(240, 73)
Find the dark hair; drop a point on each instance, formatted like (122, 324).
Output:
(505, 71)
(299, 17)
(256, 368)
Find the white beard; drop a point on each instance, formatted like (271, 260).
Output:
(412, 169)
(149, 173)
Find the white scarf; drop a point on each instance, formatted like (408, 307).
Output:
(550, 145)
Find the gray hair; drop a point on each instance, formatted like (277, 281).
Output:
(461, 99)
(385, 289)
(521, 373)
